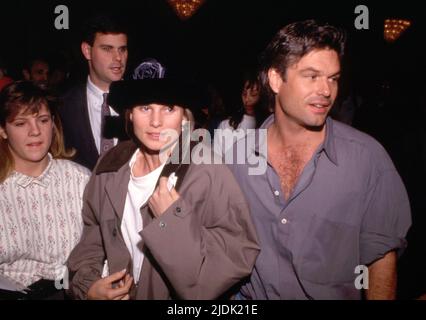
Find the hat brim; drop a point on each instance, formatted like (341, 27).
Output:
(127, 94)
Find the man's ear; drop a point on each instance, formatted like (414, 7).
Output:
(3, 133)
(86, 49)
(26, 74)
(275, 80)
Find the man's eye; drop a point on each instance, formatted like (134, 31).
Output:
(311, 76)
(106, 49)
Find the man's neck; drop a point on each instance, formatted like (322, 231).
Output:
(101, 85)
(283, 134)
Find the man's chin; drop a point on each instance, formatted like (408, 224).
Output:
(116, 76)
(315, 126)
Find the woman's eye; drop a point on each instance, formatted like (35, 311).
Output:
(19, 124)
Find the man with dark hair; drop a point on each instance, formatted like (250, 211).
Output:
(331, 211)
(37, 69)
(85, 114)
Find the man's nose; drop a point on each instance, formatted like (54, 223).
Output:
(118, 55)
(324, 87)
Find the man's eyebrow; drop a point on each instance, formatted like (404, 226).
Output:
(310, 69)
(336, 74)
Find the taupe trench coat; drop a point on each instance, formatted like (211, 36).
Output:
(201, 246)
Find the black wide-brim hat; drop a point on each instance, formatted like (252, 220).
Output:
(127, 94)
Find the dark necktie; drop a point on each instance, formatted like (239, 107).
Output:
(106, 144)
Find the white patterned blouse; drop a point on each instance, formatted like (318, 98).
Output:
(40, 221)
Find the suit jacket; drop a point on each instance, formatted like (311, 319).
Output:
(201, 246)
(77, 129)
(76, 125)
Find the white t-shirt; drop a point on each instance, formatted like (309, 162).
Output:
(139, 191)
(225, 135)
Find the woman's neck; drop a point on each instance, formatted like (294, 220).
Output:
(145, 163)
(249, 110)
(32, 169)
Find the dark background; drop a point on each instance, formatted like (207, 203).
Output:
(226, 35)
(220, 38)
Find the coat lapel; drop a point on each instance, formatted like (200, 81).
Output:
(116, 190)
(88, 135)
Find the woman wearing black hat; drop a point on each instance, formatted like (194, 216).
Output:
(156, 225)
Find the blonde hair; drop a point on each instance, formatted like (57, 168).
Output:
(24, 96)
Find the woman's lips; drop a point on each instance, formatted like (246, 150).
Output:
(34, 144)
(154, 136)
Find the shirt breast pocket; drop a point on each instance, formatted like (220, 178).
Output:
(330, 252)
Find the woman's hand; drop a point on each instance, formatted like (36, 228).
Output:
(162, 198)
(102, 289)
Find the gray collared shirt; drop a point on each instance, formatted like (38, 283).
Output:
(348, 208)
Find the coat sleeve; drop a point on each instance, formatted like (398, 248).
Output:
(86, 260)
(205, 242)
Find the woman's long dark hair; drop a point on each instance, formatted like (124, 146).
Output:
(250, 79)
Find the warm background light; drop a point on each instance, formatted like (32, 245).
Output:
(394, 28)
(185, 8)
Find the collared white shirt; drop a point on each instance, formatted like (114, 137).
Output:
(139, 191)
(94, 103)
(40, 221)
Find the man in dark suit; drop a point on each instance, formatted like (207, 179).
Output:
(85, 115)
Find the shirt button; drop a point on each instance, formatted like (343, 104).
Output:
(114, 232)
(162, 224)
(277, 193)
(284, 221)
(178, 209)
